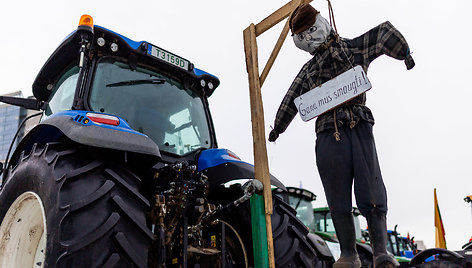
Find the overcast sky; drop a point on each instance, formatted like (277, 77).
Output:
(423, 116)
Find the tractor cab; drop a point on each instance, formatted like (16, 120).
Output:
(301, 200)
(401, 247)
(324, 225)
(130, 84)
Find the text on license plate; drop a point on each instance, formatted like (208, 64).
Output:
(168, 57)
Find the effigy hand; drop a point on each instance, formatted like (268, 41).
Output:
(409, 62)
(273, 135)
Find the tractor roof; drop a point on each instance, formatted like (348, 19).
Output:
(66, 55)
(321, 209)
(302, 193)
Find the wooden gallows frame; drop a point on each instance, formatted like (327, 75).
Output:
(261, 165)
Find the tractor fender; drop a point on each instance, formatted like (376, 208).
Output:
(320, 245)
(75, 126)
(222, 166)
(423, 255)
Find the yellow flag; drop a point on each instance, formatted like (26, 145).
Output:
(438, 225)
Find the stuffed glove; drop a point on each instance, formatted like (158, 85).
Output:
(409, 62)
(273, 135)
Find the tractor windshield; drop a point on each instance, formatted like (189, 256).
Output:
(153, 104)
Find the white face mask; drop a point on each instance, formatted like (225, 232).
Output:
(310, 39)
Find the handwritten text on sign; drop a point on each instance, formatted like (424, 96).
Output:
(336, 91)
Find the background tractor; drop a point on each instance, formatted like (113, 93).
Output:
(401, 247)
(441, 257)
(124, 169)
(321, 226)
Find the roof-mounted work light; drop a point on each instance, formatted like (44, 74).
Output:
(86, 23)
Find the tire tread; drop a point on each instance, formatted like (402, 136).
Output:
(96, 214)
(93, 236)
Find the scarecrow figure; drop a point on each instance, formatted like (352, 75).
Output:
(349, 156)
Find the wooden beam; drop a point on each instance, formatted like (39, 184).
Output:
(278, 16)
(275, 52)
(261, 165)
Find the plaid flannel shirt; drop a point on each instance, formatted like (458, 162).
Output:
(330, 60)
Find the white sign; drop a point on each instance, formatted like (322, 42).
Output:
(336, 91)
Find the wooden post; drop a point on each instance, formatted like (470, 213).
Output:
(261, 166)
(261, 169)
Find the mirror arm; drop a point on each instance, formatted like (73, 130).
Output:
(30, 104)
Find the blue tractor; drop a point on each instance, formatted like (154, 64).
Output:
(124, 169)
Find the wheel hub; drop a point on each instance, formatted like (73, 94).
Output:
(23, 233)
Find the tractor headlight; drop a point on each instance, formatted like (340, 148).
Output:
(101, 41)
(210, 85)
(114, 47)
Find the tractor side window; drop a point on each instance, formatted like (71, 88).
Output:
(304, 210)
(389, 246)
(62, 97)
(324, 223)
(394, 244)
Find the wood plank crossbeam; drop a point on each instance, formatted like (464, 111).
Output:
(275, 52)
(276, 17)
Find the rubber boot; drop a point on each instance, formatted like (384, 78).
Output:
(377, 222)
(346, 233)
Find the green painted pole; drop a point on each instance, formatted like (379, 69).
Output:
(259, 232)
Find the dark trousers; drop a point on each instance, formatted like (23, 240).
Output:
(352, 159)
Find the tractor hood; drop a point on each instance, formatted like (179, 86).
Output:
(222, 165)
(108, 43)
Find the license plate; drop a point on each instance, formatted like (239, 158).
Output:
(168, 57)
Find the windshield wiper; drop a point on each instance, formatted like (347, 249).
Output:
(137, 82)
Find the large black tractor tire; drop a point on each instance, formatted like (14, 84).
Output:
(291, 247)
(65, 206)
